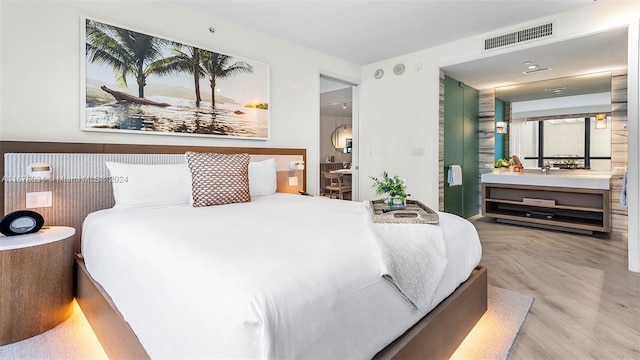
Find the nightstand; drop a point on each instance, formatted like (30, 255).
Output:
(36, 282)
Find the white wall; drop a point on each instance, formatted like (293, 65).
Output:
(40, 72)
(408, 104)
(399, 113)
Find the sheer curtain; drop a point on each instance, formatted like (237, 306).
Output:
(517, 137)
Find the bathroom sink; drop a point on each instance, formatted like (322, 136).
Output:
(583, 179)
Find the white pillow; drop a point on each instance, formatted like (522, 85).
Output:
(262, 177)
(138, 185)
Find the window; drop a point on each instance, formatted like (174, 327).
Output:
(568, 143)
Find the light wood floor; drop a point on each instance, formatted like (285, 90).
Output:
(587, 304)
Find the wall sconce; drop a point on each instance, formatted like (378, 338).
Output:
(296, 165)
(501, 127)
(601, 121)
(39, 170)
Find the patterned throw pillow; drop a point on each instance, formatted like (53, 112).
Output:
(219, 179)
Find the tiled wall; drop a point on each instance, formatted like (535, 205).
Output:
(487, 135)
(619, 154)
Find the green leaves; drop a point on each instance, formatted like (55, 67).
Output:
(393, 186)
(502, 163)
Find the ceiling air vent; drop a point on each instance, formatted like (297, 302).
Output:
(516, 37)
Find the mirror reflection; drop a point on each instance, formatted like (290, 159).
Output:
(561, 122)
(342, 139)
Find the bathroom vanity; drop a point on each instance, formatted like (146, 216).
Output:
(569, 200)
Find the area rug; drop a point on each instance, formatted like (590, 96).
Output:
(491, 338)
(73, 339)
(494, 334)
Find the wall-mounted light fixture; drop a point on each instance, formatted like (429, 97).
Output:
(601, 121)
(501, 127)
(342, 104)
(39, 170)
(296, 165)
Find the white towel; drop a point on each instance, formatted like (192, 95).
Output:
(455, 175)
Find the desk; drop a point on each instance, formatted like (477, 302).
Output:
(347, 175)
(342, 171)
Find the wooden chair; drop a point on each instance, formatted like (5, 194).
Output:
(333, 185)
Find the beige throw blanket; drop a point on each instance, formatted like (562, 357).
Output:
(413, 259)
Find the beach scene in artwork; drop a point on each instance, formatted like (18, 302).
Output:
(137, 82)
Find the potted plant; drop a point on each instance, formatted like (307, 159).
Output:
(394, 187)
(502, 164)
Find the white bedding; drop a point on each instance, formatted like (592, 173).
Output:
(282, 277)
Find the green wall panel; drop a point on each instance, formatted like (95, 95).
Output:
(461, 146)
(471, 166)
(453, 141)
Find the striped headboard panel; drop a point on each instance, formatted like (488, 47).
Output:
(80, 182)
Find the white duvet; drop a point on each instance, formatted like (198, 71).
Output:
(282, 277)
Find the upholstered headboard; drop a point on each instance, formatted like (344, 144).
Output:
(80, 180)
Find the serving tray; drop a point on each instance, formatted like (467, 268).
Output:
(414, 213)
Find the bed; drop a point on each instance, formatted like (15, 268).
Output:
(328, 302)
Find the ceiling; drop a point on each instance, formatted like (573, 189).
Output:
(553, 88)
(364, 32)
(335, 98)
(367, 31)
(595, 53)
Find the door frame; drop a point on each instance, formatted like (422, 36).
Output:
(355, 149)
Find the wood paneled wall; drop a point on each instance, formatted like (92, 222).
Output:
(441, 144)
(81, 185)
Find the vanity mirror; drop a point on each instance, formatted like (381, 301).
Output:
(562, 122)
(342, 138)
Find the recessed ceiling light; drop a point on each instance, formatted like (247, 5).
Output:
(556, 89)
(533, 66)
(526, 72)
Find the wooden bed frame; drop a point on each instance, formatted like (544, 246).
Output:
(435, 336)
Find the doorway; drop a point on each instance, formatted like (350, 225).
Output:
(338, 152)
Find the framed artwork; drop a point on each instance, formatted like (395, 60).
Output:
(139, 83)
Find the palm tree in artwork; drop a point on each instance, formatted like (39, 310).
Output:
(216, 67)
(187, 61)
(129, 53)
